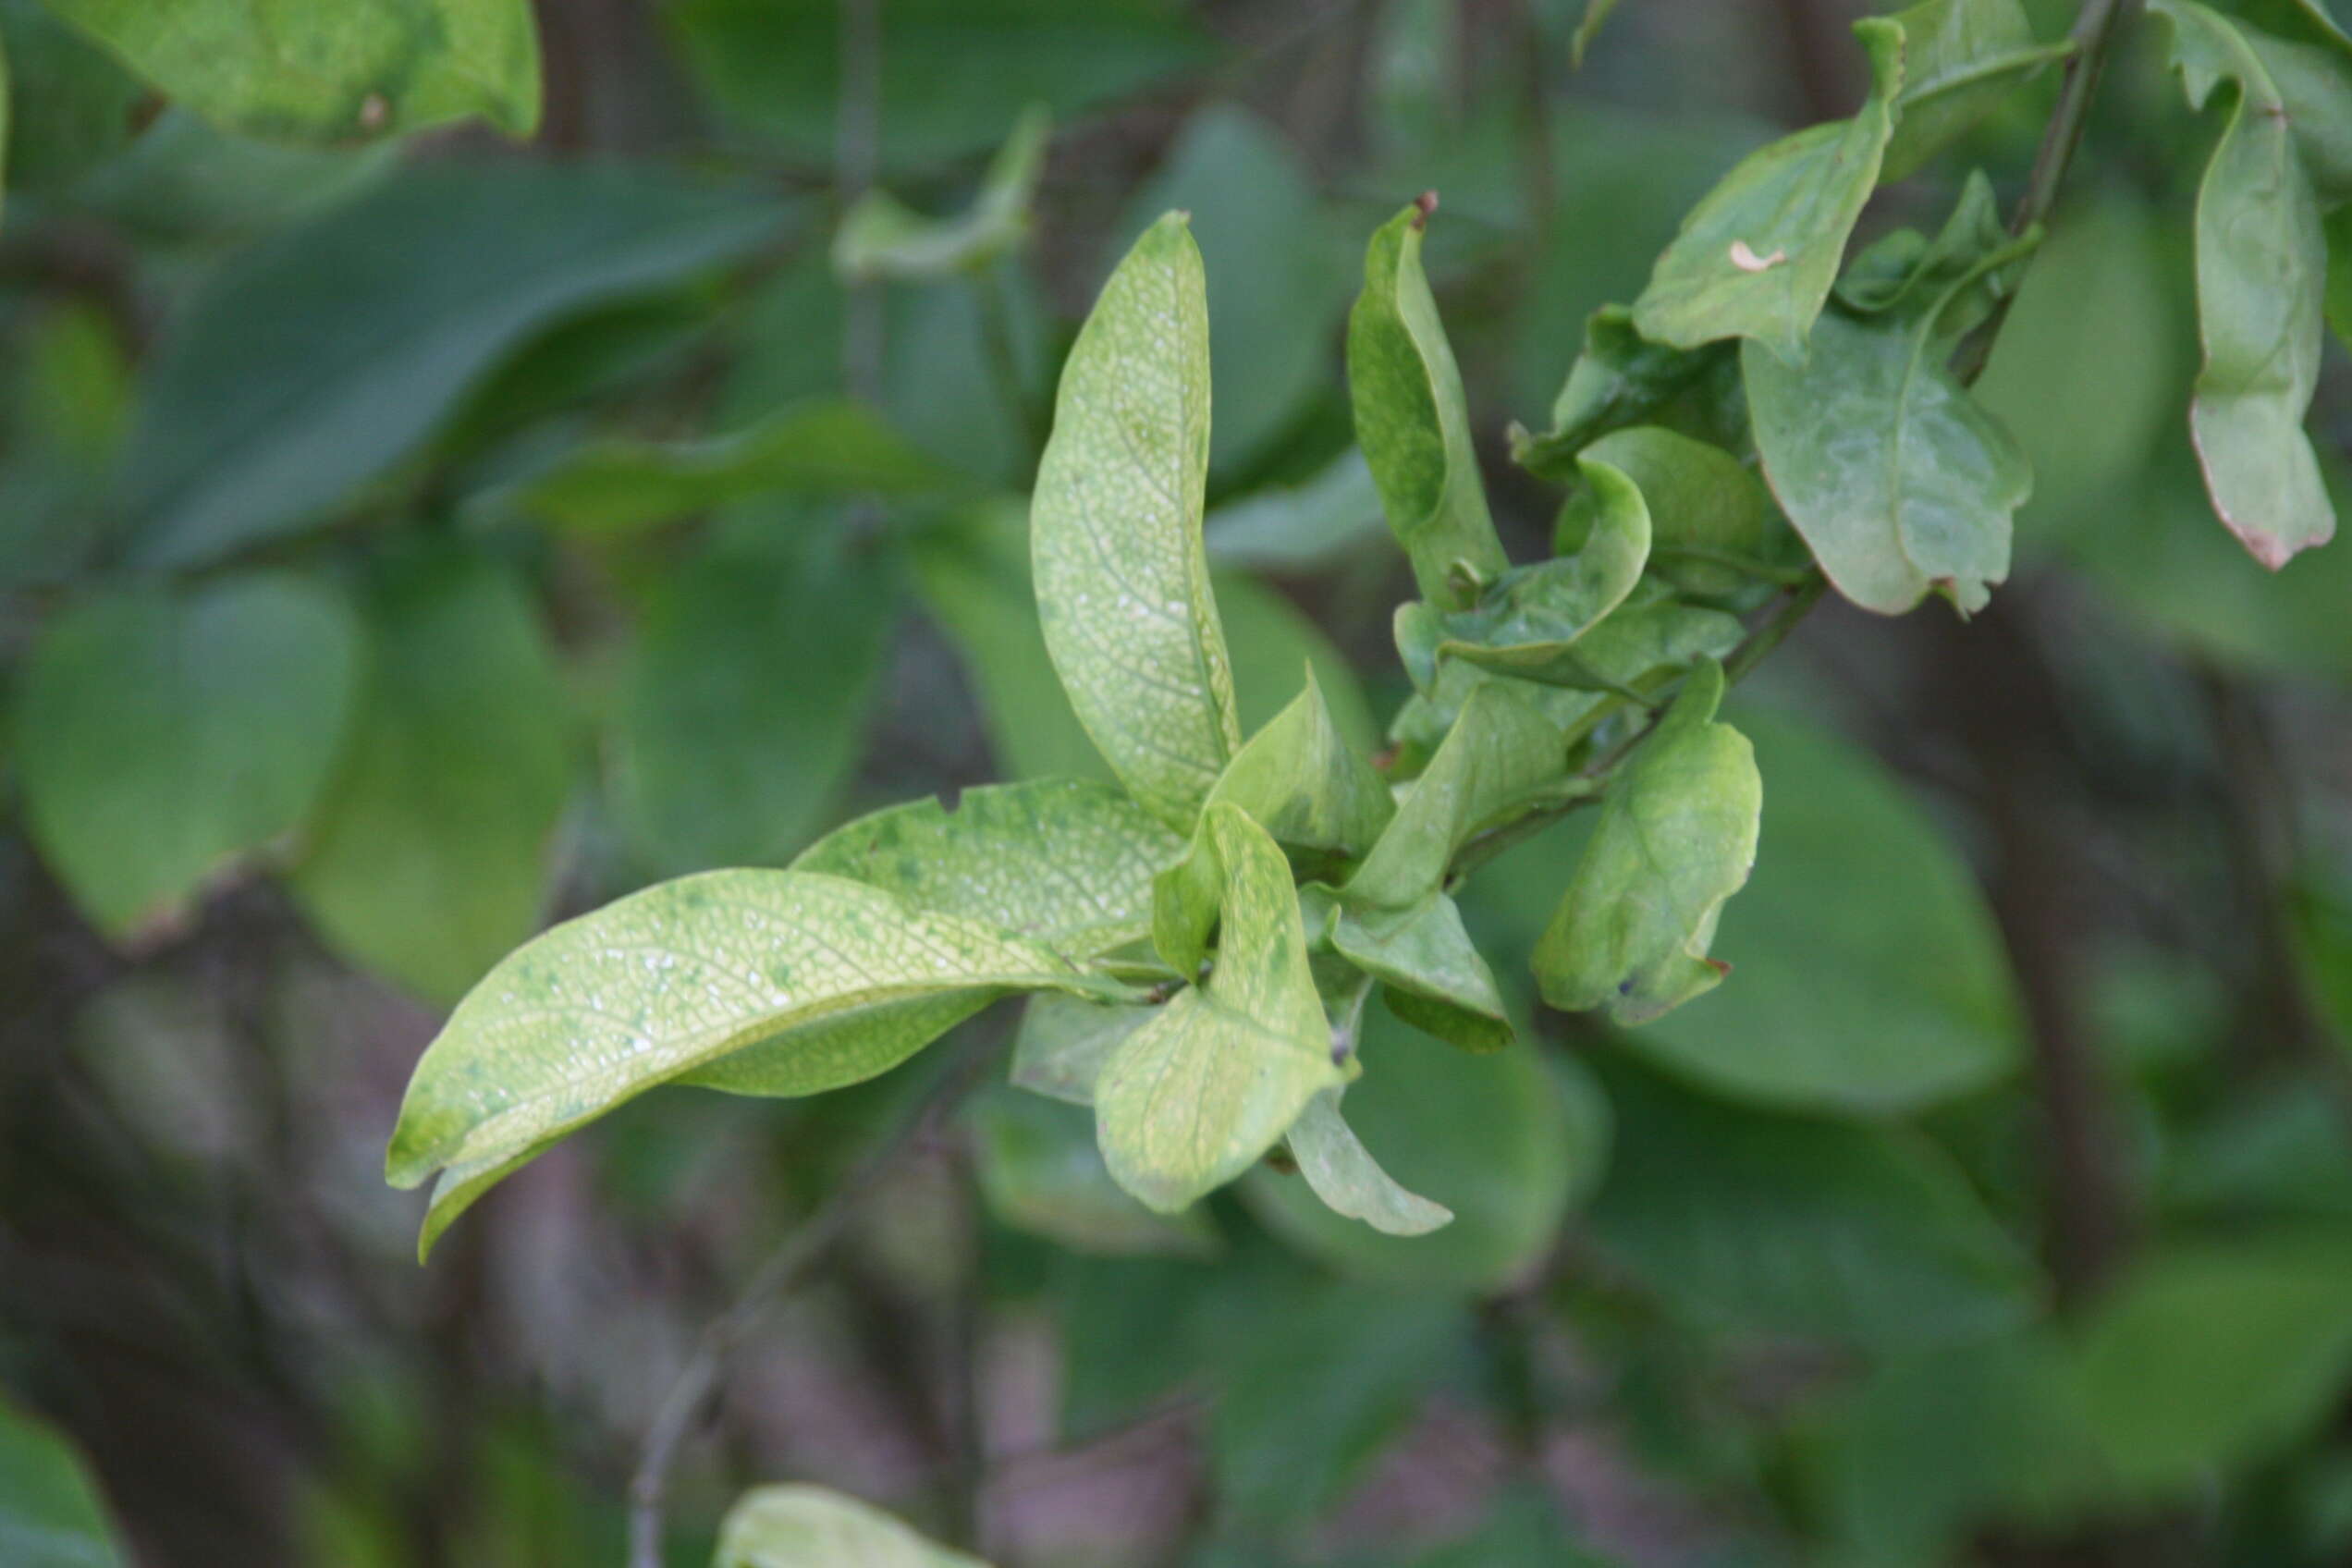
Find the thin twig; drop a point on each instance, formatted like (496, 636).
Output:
(784, 1269)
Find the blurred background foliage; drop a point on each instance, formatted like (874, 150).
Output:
(406, 544)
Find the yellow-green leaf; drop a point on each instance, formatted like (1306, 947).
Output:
(817, 1527)
(1304, 783)
(1346, 1176)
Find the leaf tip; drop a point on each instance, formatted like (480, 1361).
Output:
(1426, 205)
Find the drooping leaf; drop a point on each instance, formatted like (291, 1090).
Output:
(1275, 286)
(1899, 479)
(1620, 379)
(2211, 1356)
(803, 1526)
(715, 759)
(2261, 282)
(164, 736)
(1502, 1140)
(1066, 862)
(1121, 579)
(1960, 59)
(1342, 1172)
(428, 857)
(1041, 1172)
(1297, 528)
(881, 236)
(51, 1514)
(1431, 973)
(1064, 1041)
(1305, 784)
(778, 982)
(1756, 259)
(1676, 839)
(1868, 974)
(1529, 624)
(1784, 1225)
(1711, 518)
(819, 450)
(329, 73)
(1192, 1098)
(314, 362)
(1414, 423)
(1500, 751)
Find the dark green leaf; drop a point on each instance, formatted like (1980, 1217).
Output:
(1621, 379)
(2261, 281)
(1756, 257)
(163, 737)
(715, 760)
(311, 362)
(1115, 534)
(1786, 1225)
(429, 856)
(1066, 862)
(1306, 785)
(1676, 839)
(1414, 423)
(329, 72)
(1960, 59)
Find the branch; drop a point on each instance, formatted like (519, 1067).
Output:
(786, 1267)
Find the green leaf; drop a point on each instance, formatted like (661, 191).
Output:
(1041, 1172)
(833, 982)
(1620, 379)
(1528, 625)
(1414, 423)
(821, 448)
(1711, 521)
(1191, 1099)
(716, 761)
(1501, 1140)
(1432, 974)
(1756, 257)
(1274, 287)
(1064, 1041)
(329, 72)
(311, 362)
(952, 73)
(1899, 480)
(163, 737)
(1345, 1175)
(802, 1526)
(1298, 528)
(1305, 784)
(70, 107)
(1676, 839)
(1784, 1225)
(2210, 1357)
(1588, 28)
(2261, 281)
(1961, 59)
(881, 236)
(1066, 862)
(1123, 582)
(51, 1514)
(1869, 974)
(428, 857)
(1500, 751)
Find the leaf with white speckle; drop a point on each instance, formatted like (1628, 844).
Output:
(1115, 532)
(831, 981)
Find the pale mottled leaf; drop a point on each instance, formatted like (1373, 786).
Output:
(1500, 753)
(881, 236)
(1414, 423)
(1676, 839)
(1066, 862)
(837, 980)
(329, 72)
(1306, 785)
(803, 1526)
(1756, 257)
(2261, 284)
(162, 735)
(1346, 1176)
(1960, 59)
(1192, 1098)
(1115, 534)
